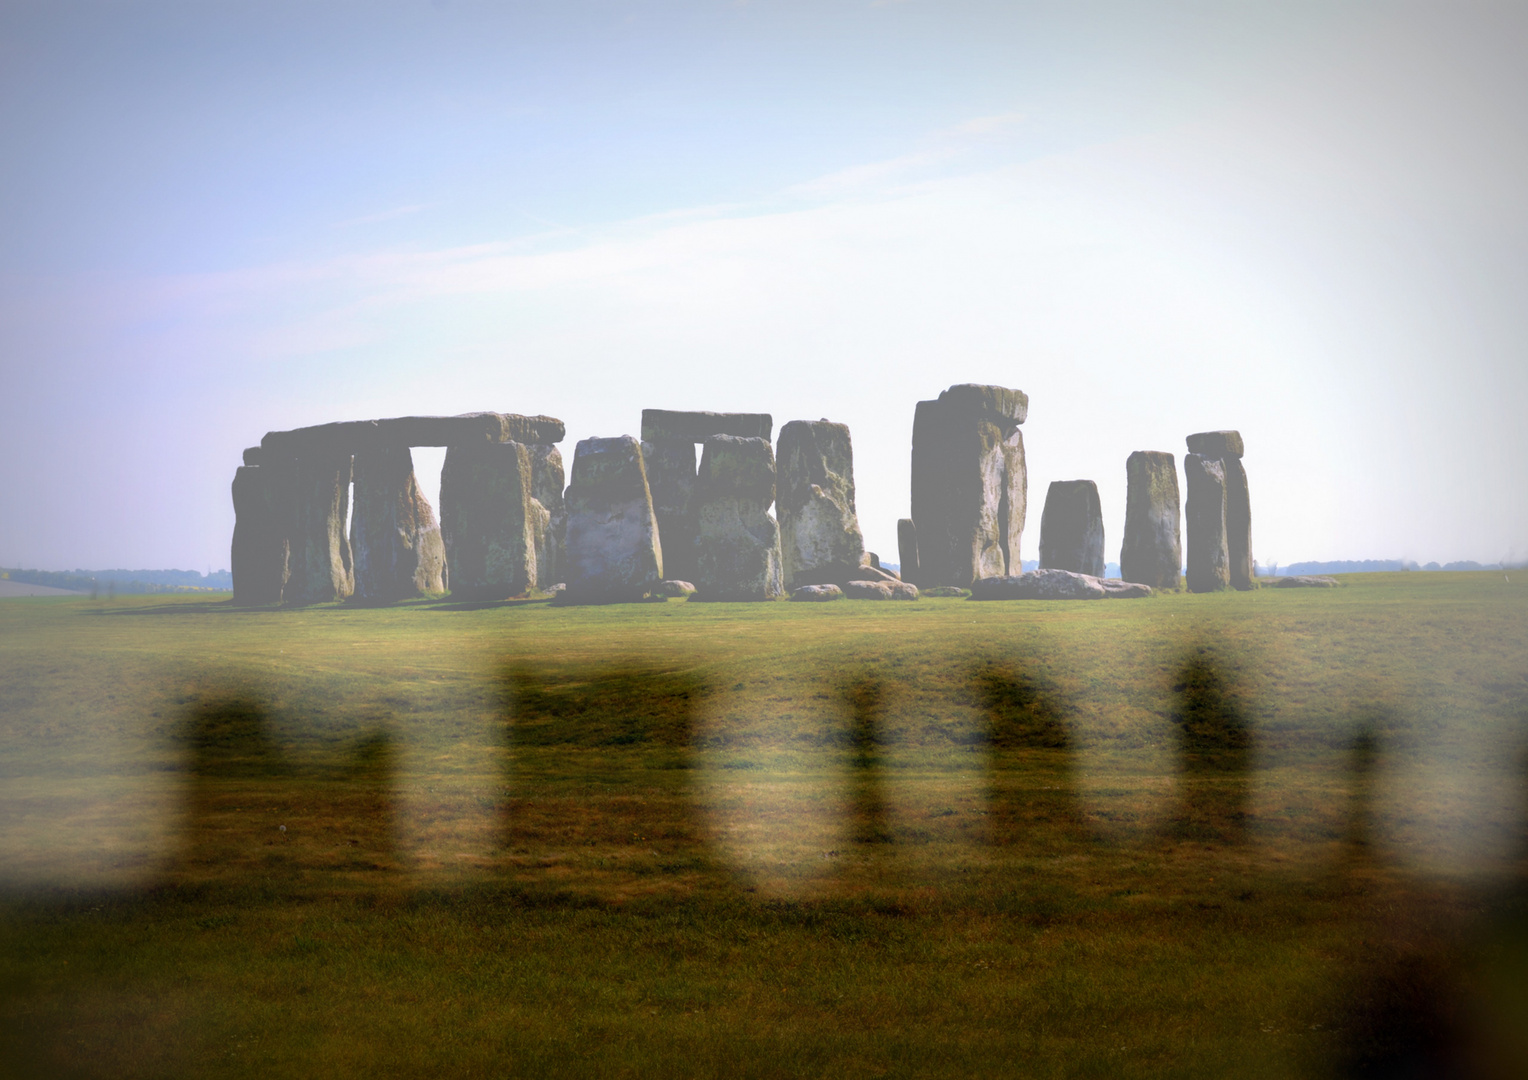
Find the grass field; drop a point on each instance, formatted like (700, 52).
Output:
(1278, 833)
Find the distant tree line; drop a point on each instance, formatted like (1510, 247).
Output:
(1361, 566)
(124, 581)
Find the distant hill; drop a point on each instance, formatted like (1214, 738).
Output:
(1369, 566)
(123, 581)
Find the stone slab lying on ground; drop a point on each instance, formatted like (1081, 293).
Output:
(817, 593)
(674, 587)
(1115, 589)
(880, 590)
(944, 590)
(1055, 585)
(1306, 581)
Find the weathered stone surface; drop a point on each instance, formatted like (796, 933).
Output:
(737, 542)
(1208, 557)
(489, 520)
(674, 587)
(673, 425)
(1216, 444)
(820, 539)
(817, 593)
(907, 548)
(1301, 581)
(258, 558)
(353, 435)
(1046, 584)
(868, 573)
(394, 538)
(670, 465)
(1152, 552)
(944, 591)
(252, 455)
(613, 550)
(1001, 402)
(318, 559)
(1238, 525)
(1124, 590)
(880, 590)
(1072, 528)
(969, 486)
(547, 479)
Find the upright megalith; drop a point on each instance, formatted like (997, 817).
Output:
(490, 520)
(907, 549)
(394, 537)
(669, 438)
(1152, 553)
(547, 482)
(258, 559)
(969, 483)
(613, 550)
(1072, 528)
(318, 558)
(1226, 447)
(1208, 559)
(737, 542)
(820, 539)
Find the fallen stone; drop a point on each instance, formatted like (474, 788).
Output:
(737, 542)
(817, 593)
(1306, 581)
(1046, 584)
(258, 559)
(1114, 589)
(1208, 558)
(613, 551)
(489, 520)
(1072, 529)
(944, 590)
(1152, 552)
(868, 573)
(1216, 444)
(880, 590)
(820, 539)
(674, 587)
(318, 558)
(659, 425)
(395, 540)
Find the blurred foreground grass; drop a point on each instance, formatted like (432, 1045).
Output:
(1266, 834)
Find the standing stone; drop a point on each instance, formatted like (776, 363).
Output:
(907, 548)
(1072, 528)
(613, 551)
(670, 465)
(820, 539)
(489, 520)
(969, 483)
(258, 560)
(1227, 448)
(1152, 553)
(1208, 559)
(394, 538)
(737, 543)
(547, 481)
(318, 557)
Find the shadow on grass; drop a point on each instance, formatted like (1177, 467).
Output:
(1031, 760)
(1215, 745)
(865, 698)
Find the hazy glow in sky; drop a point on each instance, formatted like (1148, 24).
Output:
(1305, 222)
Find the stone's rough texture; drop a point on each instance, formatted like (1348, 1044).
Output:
(1115, 589)
(613, 550)
(1208, 558)
(901, 590)
(1152, 552)
(670, 467)
(969, 485)
(737, 543)
(944, 590)
(1216, 444)
(1238, 524)
(469, 428)
(1072, 529)
(318, 559)
(1010, 405)
(489, 520)
(1303, 581)
(673, 587)
(907, 548)
(259, 556)
(394, 538)
(880, 590)
(546, 488)
(820, 539)
(1040, 585)
(868, 573)
(817, 593)
(672, 425)
(252, 455)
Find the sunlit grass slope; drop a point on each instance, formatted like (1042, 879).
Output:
(1264, 834)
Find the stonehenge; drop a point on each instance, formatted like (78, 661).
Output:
(969, 484)
(737, 542)
(613, 549)
(1152, 551)
(1072, 528)
(395, 542)
(490, 520)
(1208, 556)
(260, 537)
(1226, 447)
(820, 537)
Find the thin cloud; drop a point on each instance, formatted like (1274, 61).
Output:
(385, 215)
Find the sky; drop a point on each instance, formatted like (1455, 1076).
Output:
(1302, 221)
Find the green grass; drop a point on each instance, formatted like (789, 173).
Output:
(1266, 834)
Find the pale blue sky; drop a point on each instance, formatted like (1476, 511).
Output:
(1304, 221)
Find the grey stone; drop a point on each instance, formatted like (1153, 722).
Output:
(907, 548)
(999, 401)
(1046, 584)
(969, 486)
(464, 430)
(1124, 590)
(674, 587)
(880, 590)
(820, 539)
(252, 455)
(944, 591)
(547, 480)
(318, 559)
(673, 425)
(1238, 525)
(1072, 529)
(817, 593)
(1152, 552)
(258, 559)
(394, 537)
(737, 542)
(1306, 581)
(613, 550)
(1208, 557)
(1216, 444)
(489, 520)
(670, 465)
(868, 573)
